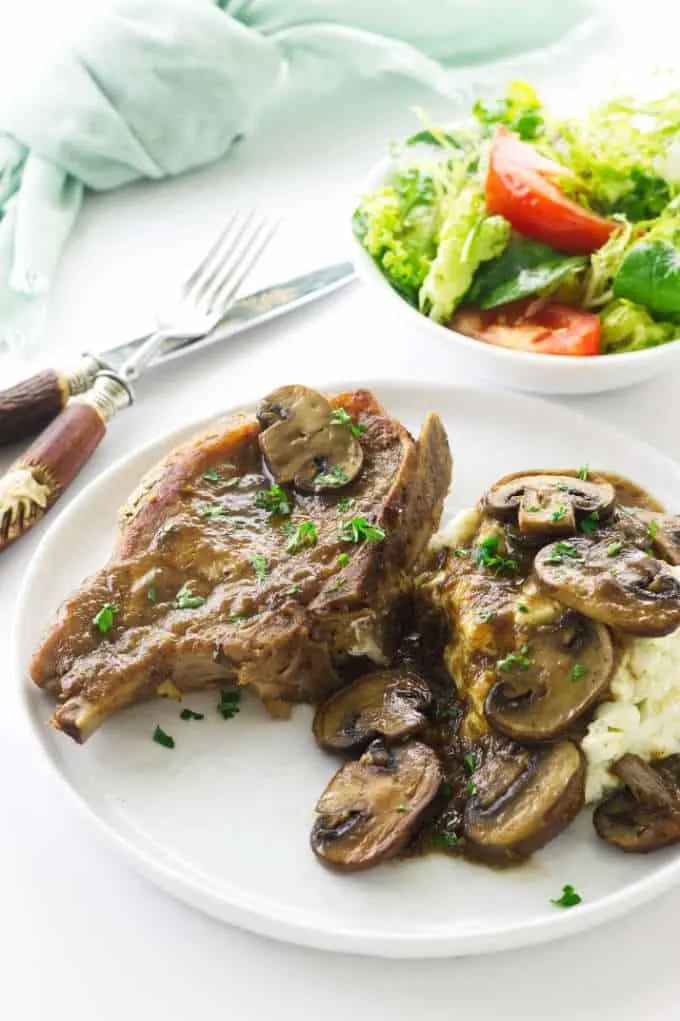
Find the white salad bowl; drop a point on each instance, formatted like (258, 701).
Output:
(535, 373)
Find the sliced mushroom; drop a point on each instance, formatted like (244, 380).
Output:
(387, 703)
(372, 806)
(549, 503)
(662, 533)
(613, 582)
(523, 800)
(300, 442)
(566, 669)
(645, 815)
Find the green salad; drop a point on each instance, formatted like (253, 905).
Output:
(538, 233)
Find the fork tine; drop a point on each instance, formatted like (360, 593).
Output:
(231, 263)
(227, 288)
(198, 272)
(224, 255)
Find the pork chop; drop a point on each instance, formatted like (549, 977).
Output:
(207, 586)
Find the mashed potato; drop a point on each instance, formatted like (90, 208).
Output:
(643, 714)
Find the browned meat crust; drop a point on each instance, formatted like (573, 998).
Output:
(279, 621)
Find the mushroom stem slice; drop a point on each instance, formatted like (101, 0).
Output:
(524, 798)
(549, 503)
(301, 444)
(645, 814)
(372, 806)
(613, 582)
(566, 669)
(386, 703)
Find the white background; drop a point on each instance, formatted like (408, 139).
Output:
(82, 937)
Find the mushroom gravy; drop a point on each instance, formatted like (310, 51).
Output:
(518, 631)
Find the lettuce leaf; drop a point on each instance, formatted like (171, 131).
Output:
(629, 327)
(468, 237)
(397, 225)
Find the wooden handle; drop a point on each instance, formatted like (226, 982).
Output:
(29, 406)
(36, 480)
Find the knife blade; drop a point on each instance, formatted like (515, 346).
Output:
(29, 406)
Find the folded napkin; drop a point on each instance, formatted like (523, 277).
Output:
(150, 88)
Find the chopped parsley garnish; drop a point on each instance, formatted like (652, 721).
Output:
(653, 529)
(294, 589)
(339, 416)
(562, 550)
(558, 514)
(447, 713)
(186, 600)
(346, 503)
(562, 487)
(589, 523)
(400, 808)
(568, 899)
(236, 618)
(458, 552)
(215, 511)
(579, 671)
(189, 714)
(445, 840)
(160, 737)
(470, 760)
(472, 788)
(445, 789)
(211, 476)
(486, 555)
(335, 475)
(614, 548)
(485, 615)
(583, 472)
(228, 704)
(343, 559)
(337, 583)
(259, 566)
(304, 535)
(534, 508)
(522, 607)
(104, 619)
(512, 659)
(359, 529)
(151, 594)
(275, 500)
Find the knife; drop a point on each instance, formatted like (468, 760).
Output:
(36, 480)
(29, 406)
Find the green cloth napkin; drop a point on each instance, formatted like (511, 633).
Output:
(150, 88)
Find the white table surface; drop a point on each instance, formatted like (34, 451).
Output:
(81, 936)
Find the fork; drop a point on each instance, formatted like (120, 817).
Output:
(37, 479)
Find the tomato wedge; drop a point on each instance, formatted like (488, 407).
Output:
(521, 186)
(551, 329)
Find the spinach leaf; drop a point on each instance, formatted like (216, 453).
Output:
(647, 198)
(650, 275)
(428, 138)
(524, 268)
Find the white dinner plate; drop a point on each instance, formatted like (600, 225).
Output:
(222, 821)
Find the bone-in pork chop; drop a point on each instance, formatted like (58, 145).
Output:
(212, 582)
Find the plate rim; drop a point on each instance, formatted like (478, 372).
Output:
(274, 923)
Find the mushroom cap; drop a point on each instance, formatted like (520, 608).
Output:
(549, 503)
(524, 798)
(645, 814)
(570, 665)
(663, 534)
(386, 703)
(301, 444)
(613, 582)
(372, 806)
